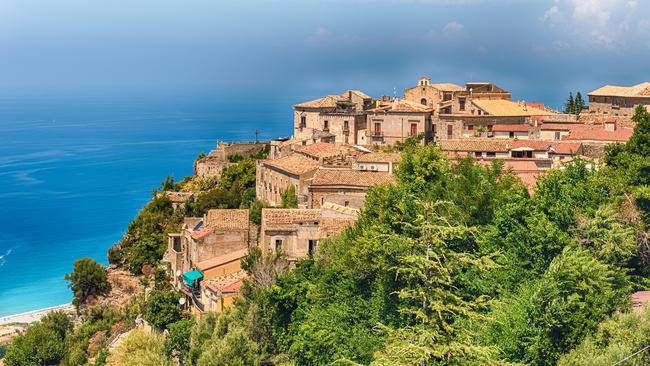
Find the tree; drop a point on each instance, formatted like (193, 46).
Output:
(146, 251)
(569, 105)
(58, 321)
(234, 349)
(177, 343)
(639, 143)
(39, 345)
(162, 308)
(88, 278)
(574, 295)
(579, 104)
(139, 349)
(289, 198)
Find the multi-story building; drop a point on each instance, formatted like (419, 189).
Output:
(378, 162)
(432, 94)
(395, 121)
(332, 118)
(275, 176)
(329, 183)
(619, 100)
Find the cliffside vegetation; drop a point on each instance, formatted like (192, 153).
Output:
(456, 264)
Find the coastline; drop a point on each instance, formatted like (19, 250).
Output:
(34, 315)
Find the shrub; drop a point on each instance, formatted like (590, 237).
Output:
(88, 278)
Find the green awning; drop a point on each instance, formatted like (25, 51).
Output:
(191, 276)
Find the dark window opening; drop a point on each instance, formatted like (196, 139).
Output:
(423, 101)
(461, 101)
(312, 246)
(278, 245)
(511, 134)
(491, 154)
(303, 121)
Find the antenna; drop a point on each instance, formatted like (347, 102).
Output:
(394, 93)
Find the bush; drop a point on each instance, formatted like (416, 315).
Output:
(162, 308)
(40, 345)
(88, 278)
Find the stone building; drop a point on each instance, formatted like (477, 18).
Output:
(213, 164)
(619, 100)
(511, 148)
(275, 176)
(297, 232)
(432, 94)
(395, 121)
(328, 154)
(378, 162)
(332, 118)
(222, 280)
(344, 183)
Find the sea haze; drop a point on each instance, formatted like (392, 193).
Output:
(75, 171)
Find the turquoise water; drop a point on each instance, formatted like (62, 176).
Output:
(75, 171)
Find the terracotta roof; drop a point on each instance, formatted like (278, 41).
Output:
(380, 157)
(640, 298)
(496, 145)
(401, 106)
(323, 150)
(200, 234)
(328, 101)
(229, 284)
(221, 260)
(560, 147)
(557, 126)
(350, 177)
(639, 90)
(289, 215)
(511, 127)
(506, 108)
(293, 164)
(332, 226)
(447, 86)
(358, 93)
(227, 219)
(598, 133)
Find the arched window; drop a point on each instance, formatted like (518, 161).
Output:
(423, 101)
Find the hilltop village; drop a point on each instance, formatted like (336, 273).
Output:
(344, 144)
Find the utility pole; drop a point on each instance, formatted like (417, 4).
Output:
(257, 133)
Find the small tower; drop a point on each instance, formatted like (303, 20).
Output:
(424, 81)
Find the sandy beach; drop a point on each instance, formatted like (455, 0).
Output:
(34, 315)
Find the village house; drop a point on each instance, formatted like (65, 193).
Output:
(619, 100)
(378, 162)
(220, 232)
(275, 176)
(507, 148)
(432, 94)
(329, 183)
(213, 164)
(332, 118)
(330, 154)
(222, 280)
(178, 199)
(395, 121)
(297, 232)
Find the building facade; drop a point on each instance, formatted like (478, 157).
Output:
(616, 100)
(275, 176)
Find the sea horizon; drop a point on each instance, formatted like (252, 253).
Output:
(74, 173)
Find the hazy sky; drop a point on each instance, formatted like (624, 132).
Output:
(539, 49)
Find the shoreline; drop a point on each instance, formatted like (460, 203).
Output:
(32, 316)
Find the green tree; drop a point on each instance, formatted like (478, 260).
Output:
(289, 198)
(177, 342)
(88, 278)
(139, 349)
(569, 105)
(574, 295)
(162, 308)
(579, 104)
(146, 251)
(39, 345)
(639, 143)
(234, 349)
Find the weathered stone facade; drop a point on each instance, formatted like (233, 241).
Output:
(275, 176)
(614, 100)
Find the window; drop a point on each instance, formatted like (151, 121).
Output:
(479, 112)
(326, 125)
(346, 203)
(278, 245)
(377, 128)
(461, 101)
(491, 154)
(470, 127)
(414, 129)
(446, 96)
(423, 101)
(557, 135)
(522, 154)
(450, 131)
(312, 246)
(303, 121)
(478, 154)
(346, 125)
(511, 134)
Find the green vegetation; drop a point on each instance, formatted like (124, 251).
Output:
(140, 349)
(574, 105)
(289, 198)
(88, 278)
(163, 308)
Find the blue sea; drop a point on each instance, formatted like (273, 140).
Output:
(75, 170)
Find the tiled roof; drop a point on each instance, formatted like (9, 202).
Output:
(380, 157)
(349, 177)
(328, 101)
(358, 93)
(598, 133)
(496, 145)
(639, 90)
(401, 106)
(557, 126)
(289, 215)
(330, 226)
(447, 86)
(293, 164)
(221, 260)
(506, 108)
(560, 147)
(511, 127)
(227, 219)
(228, 284)
(323, 150)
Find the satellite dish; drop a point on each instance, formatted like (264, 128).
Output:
(178, 273)
(181, 301)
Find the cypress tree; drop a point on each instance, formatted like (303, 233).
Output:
(569, 106)
(579, 103)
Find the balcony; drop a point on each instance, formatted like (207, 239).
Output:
(194, 294)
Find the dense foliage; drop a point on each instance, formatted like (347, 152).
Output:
(88, 278)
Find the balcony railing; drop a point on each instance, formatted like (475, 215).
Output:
(194, 294)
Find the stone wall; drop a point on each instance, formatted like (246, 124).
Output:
(245, 149)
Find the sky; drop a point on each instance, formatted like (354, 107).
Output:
(299, 49)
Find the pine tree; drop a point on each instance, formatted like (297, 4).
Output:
(570, 106)
(579, 103)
